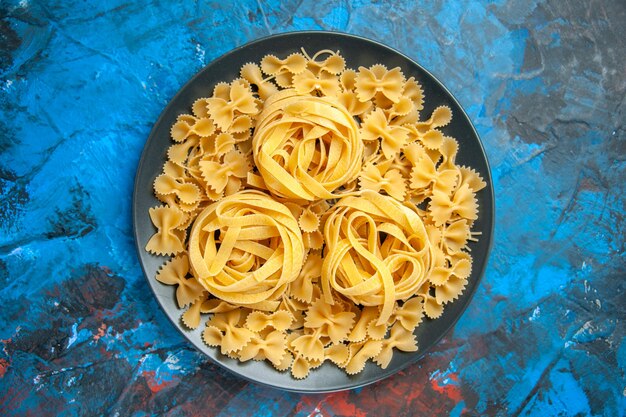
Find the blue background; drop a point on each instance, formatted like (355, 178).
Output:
(81, 84)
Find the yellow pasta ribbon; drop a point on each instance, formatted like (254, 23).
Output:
(246, 248)
(318, 251)
(377, 251)
(306, 147)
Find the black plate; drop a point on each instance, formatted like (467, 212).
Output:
(357, 51)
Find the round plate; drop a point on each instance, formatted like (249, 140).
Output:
(357, 52)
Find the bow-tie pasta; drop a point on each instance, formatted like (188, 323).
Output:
(314, 214)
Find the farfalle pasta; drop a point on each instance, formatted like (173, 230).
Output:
(175, 272)
(233, 113)
(167, 240)
(378, 80)
(217, 174)
(313, 214)
(376, 177)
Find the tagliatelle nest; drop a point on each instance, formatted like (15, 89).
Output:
(313, 214)
(305, 147)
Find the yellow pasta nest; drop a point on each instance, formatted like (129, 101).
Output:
(377, 252)
(305, 147)
(314, 214)
(246, 249)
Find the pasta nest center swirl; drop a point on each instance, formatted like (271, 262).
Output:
(377, 251)
(246, 248)
(305, 147)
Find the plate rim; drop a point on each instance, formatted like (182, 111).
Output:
(479, 273)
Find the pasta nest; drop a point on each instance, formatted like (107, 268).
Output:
(246, 248)
(377, 251)
(305, 147)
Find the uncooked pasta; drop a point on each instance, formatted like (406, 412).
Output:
(313, 213)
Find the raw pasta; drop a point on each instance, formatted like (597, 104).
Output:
(246, 248)
(314, 214)
(377, 252)
(305, 147)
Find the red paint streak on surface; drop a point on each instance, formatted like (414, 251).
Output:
(12, 400)
(104, 352)
(101, 332)
(108, 314)
(452, 391)
(4, 365)
(398, 395)
(328, 405)
(409, 392)
(6, 342)
(339, 403)
(402, 385)
(307, 402)
(155, 384)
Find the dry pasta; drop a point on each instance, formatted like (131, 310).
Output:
(305, 147)
(314, 214)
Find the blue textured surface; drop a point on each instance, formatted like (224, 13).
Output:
(81, 84)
